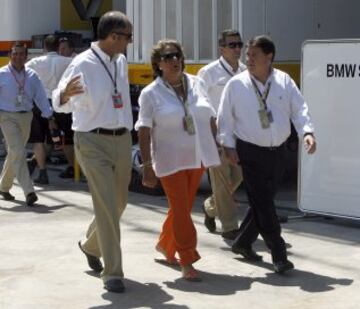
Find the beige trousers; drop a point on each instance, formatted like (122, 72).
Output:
(106, 163)
(225, 179)
(16, 131)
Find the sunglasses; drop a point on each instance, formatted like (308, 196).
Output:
(129, 36)
(233, 45)
(171, 56)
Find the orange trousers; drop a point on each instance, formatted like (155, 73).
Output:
(178, 233)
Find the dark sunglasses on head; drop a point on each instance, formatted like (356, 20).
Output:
(127, 35)
(171, 56)
(233, 45)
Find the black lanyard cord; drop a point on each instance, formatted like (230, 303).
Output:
(113, 79)
(261, 97)
(226, 70)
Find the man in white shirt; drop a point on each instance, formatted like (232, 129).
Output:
(226, 177)
(95, 89)
(50, 68)
(254, 122)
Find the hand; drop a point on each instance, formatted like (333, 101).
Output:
(149, 178)
(52, 124)
(232, 155)
(310, 143)
(73, 87)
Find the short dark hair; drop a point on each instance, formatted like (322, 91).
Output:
(263, 42)
(18, 44)
(226, 33)
(156, 54)
(51, 43)
(66, 40)
(111, 21)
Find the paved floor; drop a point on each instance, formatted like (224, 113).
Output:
(42, 267)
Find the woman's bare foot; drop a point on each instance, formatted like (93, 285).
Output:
(189, 273)
(171, 261)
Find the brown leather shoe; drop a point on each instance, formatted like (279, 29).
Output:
(114, 285)
(209, 222)
(93, 261)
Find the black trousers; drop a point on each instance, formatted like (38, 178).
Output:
(262, 169)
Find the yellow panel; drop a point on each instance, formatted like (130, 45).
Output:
(293, 69)
(70, 19)
(4, 61)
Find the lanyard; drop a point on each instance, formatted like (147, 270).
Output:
(227, 71)
(261, 97)
(21, 85)
(184, 99)
(113, 79)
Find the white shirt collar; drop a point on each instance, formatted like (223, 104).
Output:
(104, 56)
(228, 66)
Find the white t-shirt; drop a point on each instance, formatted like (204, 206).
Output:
(49, 68)
(172, 148)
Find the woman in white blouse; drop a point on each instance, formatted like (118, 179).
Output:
(176, 144)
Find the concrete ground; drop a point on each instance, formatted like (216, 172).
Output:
(42, 267)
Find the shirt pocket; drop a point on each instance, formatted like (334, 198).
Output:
(222, 81)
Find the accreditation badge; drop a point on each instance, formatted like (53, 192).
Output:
(189, 124)
(19, 100)
(264, 118)
(117, 100)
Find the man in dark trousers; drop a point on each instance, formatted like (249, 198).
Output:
(254, 123)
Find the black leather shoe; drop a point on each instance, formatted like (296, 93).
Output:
(114, 285)
(67, 173)
(209, 222)
(230, 235)
(31, 198)
(7, 196)
(248, 254)
(283, 266)
(43, 178)
(93, 261)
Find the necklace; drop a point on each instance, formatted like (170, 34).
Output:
(177, 85)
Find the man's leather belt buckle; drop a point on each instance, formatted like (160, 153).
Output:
(114, 132)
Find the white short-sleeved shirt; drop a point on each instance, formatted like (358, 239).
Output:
(238, 115)
(172, 148)
(49, 68)
(215, 75)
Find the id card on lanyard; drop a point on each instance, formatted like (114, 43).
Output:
(116, 96)
(265, 115)
(21, 84)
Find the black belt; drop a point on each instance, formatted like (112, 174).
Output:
(117, 132)
(261, 148)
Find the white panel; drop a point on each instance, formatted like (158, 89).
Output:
(147, 29)
(17, 23)
(130, 14)
(338, 19)
(252, 20)
(329, 180)
(289, 23)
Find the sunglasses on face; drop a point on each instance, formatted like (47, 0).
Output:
(233, 45)
(171, 56)
(128, 36)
